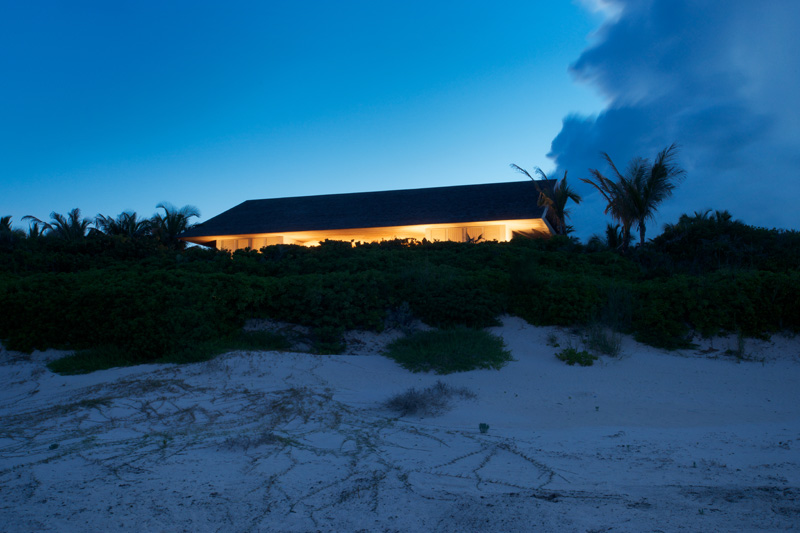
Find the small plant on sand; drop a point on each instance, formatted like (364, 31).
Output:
(449, 350)
(739, 351)
(552, 340)
(483, 427)
(429, 401)
(603, 339)
(571, 356)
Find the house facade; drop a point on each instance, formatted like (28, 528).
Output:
(494, 211)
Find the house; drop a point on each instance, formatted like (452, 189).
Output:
(493, 211)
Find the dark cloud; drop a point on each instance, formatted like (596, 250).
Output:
(719, 78)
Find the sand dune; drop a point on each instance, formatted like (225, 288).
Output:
(648, 441)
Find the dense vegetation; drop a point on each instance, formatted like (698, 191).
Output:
(450, 350)
(138, 298)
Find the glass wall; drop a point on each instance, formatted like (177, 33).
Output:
(468, 233)
(491, 232)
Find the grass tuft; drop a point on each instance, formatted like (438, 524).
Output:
(603, 339)
(429, 401)
(449, 350)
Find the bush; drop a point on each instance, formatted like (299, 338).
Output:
(449, 350)
(661, 308)
(554, 299)
(339, 299)
(145, 315)
(429, 401)
(708, 242)
(444, 296)
(132, 300)
(752, 302)
(571, 356)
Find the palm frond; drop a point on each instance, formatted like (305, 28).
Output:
(169, 225)
(554, 196)
(635, 196)
(521, 170)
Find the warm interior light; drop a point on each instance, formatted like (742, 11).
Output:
(499, 230)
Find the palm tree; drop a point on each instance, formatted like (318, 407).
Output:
(722, 217)
(634, 197)
(35, 230)
(555, 198)
(7, 234)
(126, 224)
(173, 222)
(613, 239)
(70, 227)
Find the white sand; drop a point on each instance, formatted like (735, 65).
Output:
(649, 441)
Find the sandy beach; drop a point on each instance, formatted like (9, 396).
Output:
(690, 440)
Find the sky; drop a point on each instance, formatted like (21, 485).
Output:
(116, 106)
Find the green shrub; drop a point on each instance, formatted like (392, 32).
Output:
(449, 350)
(145, 315)
(708, 242)
(445, 296)
(339, 299)
(571, 356)
(133, 300)
(547, 298)
(753, 302)
(660, 314)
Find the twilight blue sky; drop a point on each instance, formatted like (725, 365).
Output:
(112, 106)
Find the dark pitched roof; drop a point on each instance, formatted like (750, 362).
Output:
(437, 205)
